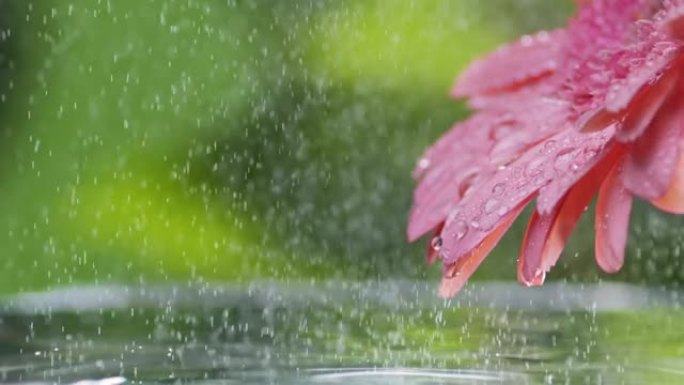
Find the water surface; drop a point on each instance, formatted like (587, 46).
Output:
(394, 332)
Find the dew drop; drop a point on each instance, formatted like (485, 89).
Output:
(499, 189)
(452, 215)
(460, 229)
(436, 243)
(503, 210)
(563, 159)
(590, 152)
(535, 167)
(543, 36)
(526, 40)
(549, 145)
(491, 205)
(423, 163)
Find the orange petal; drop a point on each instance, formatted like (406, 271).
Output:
(457, 274)
(530, 272)
(673, 200)
(612, 222)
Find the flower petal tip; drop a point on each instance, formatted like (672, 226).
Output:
(450, 286)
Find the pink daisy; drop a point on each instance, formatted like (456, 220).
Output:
(560, 116)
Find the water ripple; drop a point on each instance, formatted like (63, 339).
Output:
(416, 376)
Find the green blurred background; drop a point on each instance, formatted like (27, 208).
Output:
(153, 141)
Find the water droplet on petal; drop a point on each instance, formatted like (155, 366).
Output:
(526, 40)
(535, 167)
(549, 145)
(452, 215)
(499, 189)
(460, 229)
(590, 153)
(503, 210)
(563, 159)
(436, 243)
(491, 205)
(423, 163)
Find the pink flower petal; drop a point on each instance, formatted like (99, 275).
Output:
(540, 119)
(465, 139)
(448, 168)
(646, 104)
(566, 153)
(547, 233)
(598, 27)
(652, 158)
(572, 163)
(526, 60)
(508, 99)
(437, 194)
(457, 274)
(622, 92)
(673, 200)
(453, 172)
(612, 222)
(464, 157)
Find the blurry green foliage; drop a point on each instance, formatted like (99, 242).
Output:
(107, 101)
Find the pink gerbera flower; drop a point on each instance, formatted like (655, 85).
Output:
(596, 107)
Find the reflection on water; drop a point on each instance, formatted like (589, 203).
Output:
(343, 333)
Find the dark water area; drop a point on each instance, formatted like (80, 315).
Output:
(393, 332)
